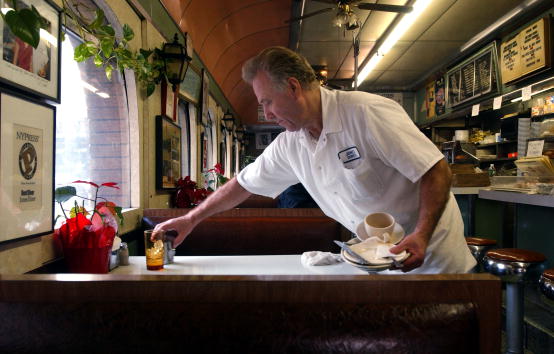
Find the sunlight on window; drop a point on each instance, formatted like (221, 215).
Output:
(92, 129)
(72, 155)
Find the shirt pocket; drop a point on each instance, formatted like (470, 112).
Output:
(363, 181)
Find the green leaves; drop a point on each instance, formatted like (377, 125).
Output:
(106, 44)
(128, 33)
(63, 194)
(105, 49)
(109, 71)
(24, 24)
(84, 51)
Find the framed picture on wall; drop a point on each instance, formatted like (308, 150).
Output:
(205, 97)
(33, 70)
(27, 137)
(168, 153)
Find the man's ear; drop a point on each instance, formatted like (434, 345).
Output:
(294, 86)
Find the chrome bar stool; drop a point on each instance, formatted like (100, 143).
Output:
(515, 267)
(478, 247)
(546, 284)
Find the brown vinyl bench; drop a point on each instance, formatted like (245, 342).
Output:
(256, 231)
(258, 201)
(250, 314)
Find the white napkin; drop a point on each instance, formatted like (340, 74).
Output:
(116, 243)
(374, 250)
(318, 258)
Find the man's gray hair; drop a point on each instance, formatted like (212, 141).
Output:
(280, 63)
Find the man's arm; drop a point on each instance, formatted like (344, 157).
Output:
(224, 198)
(433, 195)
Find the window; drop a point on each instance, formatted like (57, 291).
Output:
(92, 127)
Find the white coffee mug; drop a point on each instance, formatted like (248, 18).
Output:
(377, 224)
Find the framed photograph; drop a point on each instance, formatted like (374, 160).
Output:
(168, 153)
(35, 71)
(262, 140)
(27, 136)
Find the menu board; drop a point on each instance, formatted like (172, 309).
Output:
(483, 73)
(527, 52)
(468, 80)
(474, 77)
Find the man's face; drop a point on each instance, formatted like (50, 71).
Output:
(280, 106)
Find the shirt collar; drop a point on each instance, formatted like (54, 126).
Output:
(330, 117)
(330, 111)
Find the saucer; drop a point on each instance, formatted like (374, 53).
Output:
(381, 265)
(397, 234)
(367, 268)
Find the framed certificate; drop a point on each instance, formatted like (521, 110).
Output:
(27, 136)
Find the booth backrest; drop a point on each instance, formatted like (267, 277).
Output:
(258, 201)
(256, 231)
(250, 314)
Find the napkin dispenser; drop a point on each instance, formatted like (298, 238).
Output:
(114, 258)
(169, 251)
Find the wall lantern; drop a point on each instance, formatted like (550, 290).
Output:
(240, 134)
(320, 73)
(228, 121)
(176, 61)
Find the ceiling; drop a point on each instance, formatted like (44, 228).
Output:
(225, 33)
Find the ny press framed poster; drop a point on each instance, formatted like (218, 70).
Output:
(27, 136)
(33, 70)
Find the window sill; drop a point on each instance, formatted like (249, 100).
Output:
(132, 220)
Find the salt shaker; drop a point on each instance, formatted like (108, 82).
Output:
(123, 254)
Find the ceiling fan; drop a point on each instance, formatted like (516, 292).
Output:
(345, 16)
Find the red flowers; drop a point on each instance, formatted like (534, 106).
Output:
(214, 177)
(188, 195)
(217, 169)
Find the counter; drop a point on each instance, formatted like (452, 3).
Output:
(236, 265)
(524, 220)
(466, 198)
(520, 198)
(466, 190)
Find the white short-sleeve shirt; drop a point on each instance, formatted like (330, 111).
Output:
(369, 157)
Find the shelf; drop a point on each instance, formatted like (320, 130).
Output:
(546, 138)
(477, 146)
(498, 159)
(486, 102)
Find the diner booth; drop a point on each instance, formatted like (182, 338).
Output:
(118, 115)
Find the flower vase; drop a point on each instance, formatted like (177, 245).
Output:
(88, 260)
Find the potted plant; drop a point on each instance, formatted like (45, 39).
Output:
(214, 177)
(86, 237)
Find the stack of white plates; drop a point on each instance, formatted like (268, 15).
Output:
(368, 267)
(523, 133)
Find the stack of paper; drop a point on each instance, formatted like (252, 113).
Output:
(535, 166)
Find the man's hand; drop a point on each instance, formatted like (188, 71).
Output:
(415, 244)
(183, 225)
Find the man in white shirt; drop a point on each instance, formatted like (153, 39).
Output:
(355, 153)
